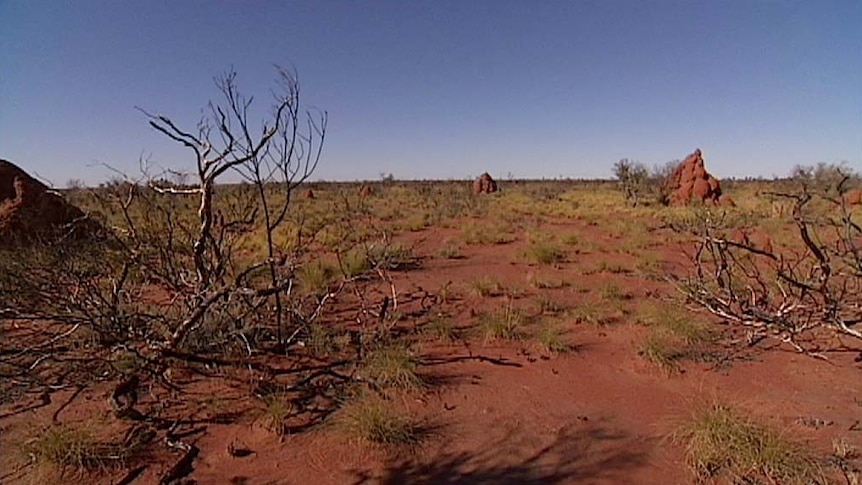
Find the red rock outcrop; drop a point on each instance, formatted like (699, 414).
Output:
(484, 184)
(30, 211)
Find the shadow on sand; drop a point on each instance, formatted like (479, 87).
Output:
(585, 452)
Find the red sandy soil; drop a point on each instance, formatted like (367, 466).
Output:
(599, 415)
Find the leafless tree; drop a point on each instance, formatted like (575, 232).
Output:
(789, 294)
(275, 156)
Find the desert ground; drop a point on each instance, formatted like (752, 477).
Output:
(549, 332)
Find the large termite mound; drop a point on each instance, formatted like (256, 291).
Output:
(690, 182)
(484, 184)
(30, 211)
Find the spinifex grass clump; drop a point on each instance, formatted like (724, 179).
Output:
(722, 442)
(545, 252)
(393, 366)
(503, 324)
(78, 448)
(674, 336)
(374, 420)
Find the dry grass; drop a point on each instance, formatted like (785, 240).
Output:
(373, 420)
(662, 351)
(547, 304)
(393, 366)
(545, 253)
(612, 291)
(649, 266)
(486, 286)
(721, 442)
(441, 328)
(450, 250)
(551, 338)
(673, 336)
(316, 276)
(541, 282)
(588, 312)
(487, 234)
(354, 263)
(277, 408)
(392, 257)
(505, 323)
(613, 268)
(78, 448)
(321, 340)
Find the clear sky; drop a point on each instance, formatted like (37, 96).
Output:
(445, 89)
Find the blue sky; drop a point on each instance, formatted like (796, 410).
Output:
(444, 89)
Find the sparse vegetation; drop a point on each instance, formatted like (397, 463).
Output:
(392, 366)
(393, 256)
(450, 251)
(487, 234)
(505, 323)
(375, 421)
(548, 304)
(486, 286)
(588, 312)
(552, 338)
(354, 263)
(316, 276)
(277, 408)
(723, 442)
(611, 291)
(217, 313)
(545, 253)
(78, 448)
(674, 336)
(321, 340)
(662, 350)
(676, 321)
(364, 325)
(442, 328)
(633, 178)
